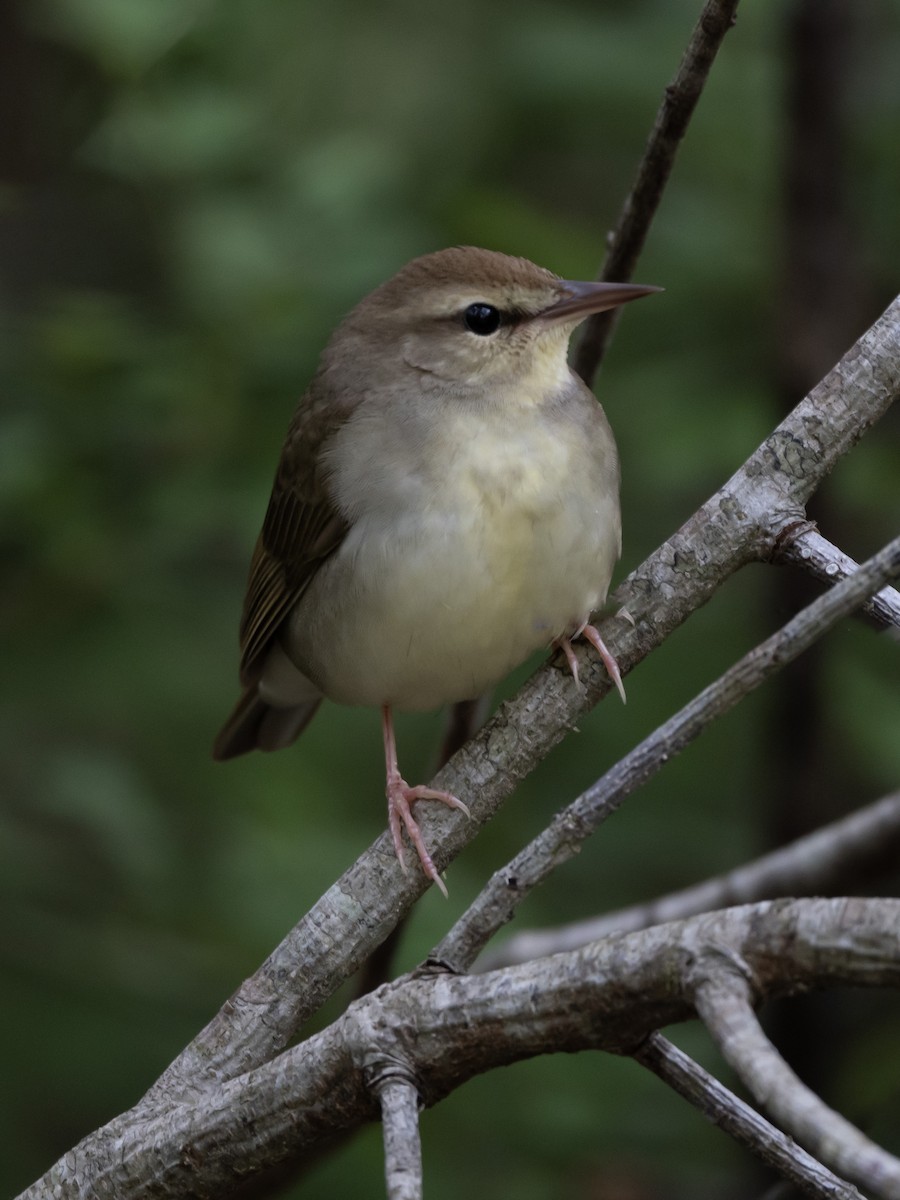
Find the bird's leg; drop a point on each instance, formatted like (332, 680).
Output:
(590, 634)
(401, 797)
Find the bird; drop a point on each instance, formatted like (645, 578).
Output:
(445, 504)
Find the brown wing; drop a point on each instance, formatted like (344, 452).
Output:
(301, 529)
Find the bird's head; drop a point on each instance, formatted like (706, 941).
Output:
(476, 319)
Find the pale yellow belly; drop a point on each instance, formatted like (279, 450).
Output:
(447, 601)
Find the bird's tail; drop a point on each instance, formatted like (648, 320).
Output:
(255, 725)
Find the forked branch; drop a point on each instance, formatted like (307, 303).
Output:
(443, 1029)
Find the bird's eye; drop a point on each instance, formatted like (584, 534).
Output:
(482, 319)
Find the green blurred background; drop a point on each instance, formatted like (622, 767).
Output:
(192, 194)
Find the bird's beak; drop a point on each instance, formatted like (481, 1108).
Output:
(582, 299)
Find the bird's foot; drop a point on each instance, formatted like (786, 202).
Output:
(401, 797)
(590, 634)
(565, 645)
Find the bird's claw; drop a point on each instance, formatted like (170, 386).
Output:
(624, 615)
(401, 797)
(590, 634)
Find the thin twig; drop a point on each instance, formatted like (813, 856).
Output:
(563, 838)
(813, 865)
(806, 548)
(670, 126)
(724, 1005)
(743, 1123)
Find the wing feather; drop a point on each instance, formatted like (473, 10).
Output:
(302, 528)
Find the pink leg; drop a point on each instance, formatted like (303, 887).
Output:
(590, 634)
(401, 797)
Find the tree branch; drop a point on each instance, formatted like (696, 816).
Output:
(562, 839)
(811, 865)
(724, 1109)
(807, 549)
(627, 239)
(402, 1146)
(723, 1003)
(444, 1029)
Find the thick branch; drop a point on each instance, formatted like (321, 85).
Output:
(444, 1029)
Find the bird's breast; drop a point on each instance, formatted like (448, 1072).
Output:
(498, 536)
